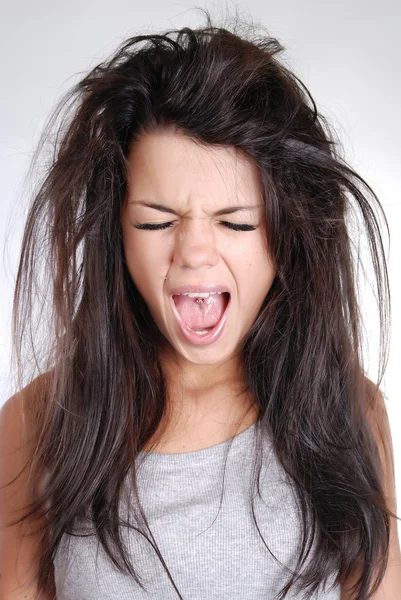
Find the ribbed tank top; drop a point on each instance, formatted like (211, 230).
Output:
(204, 530)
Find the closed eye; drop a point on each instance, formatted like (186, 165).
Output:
(234, 226)
(238, 226)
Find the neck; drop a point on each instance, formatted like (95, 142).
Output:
(207, 395)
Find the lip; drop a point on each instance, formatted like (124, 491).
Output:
(187, 333)
(199, 287)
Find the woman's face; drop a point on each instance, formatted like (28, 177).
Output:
(198, 191)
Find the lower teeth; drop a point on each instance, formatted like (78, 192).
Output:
(202, 331)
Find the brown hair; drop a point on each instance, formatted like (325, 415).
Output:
(105, 389)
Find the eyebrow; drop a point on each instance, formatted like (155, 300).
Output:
(223, 211)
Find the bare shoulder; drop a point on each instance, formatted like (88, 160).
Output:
(377, 416)
(378, 419)
(18, 424)
(19, 544)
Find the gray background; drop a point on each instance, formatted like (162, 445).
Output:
(346, 51)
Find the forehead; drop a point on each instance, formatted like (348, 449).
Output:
(167, 166)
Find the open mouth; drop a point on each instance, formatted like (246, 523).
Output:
(201, 316)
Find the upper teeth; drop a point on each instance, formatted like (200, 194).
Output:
(198, 294)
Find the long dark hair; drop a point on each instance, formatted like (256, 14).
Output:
(102, 392)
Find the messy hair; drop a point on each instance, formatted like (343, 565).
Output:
(103, 390)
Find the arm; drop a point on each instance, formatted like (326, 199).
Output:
(390, 587)
(18, 553)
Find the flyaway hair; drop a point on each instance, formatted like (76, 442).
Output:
(79, 321)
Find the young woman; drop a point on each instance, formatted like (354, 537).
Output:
(201, 426)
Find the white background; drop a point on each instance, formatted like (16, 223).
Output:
(346, 51)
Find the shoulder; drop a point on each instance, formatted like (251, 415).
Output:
(19, 430)
(18, 421)
(378, 421)
(19, 544)
(375, 403)
(377, 418)
(26, 403)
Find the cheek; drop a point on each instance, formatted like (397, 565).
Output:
(143, 256)
(250, 261)
(146, 268)
(257, 274)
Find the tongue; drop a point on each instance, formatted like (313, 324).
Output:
(201, 313)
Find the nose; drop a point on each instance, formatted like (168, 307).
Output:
(195, 245)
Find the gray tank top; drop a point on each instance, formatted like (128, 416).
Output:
(207, 538)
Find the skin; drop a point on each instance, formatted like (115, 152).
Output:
(195, 181)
